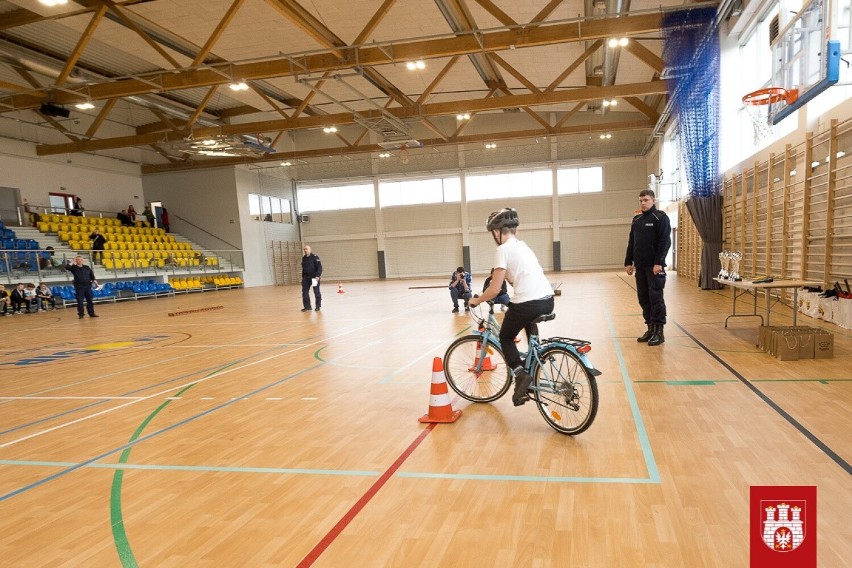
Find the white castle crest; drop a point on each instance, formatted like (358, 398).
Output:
(784, 533)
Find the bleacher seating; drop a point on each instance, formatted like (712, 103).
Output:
(198, 284)
(25, 253)
(126, 248)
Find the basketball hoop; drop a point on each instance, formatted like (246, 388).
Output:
(403, 154)
(758, 105)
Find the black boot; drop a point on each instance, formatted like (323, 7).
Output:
(657, 338)
(646, 336)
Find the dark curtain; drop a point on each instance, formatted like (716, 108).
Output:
(706, 213)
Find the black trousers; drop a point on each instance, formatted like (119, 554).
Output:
(518, 317)
(649, 288)
(306, 296)
(85, 294)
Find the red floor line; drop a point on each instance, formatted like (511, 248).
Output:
(326, 541)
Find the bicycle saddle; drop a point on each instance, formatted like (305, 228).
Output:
(545, 317)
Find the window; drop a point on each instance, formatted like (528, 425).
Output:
(509, 184)
(268, 208)
(414, 192)
(579, 180)
(334, 198)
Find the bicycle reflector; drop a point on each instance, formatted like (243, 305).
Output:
(585, 348)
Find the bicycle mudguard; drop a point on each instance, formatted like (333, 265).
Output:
(573, 345)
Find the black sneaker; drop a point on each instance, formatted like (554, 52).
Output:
(455, 310)
(94, 316)
(467, 308)
(523, 380)
(317, 309)
(81, 316)
(306, 309)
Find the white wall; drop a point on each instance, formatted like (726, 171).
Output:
(103, 183)
(257, 236)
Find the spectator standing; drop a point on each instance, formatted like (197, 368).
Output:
(647, 247)
(78, 209)
(44, 296)
(460, 288)
(164, 218)
(84, 279)
(149, 215)
(98, 242)
(311, 274)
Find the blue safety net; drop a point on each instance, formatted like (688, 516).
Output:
(691, 53)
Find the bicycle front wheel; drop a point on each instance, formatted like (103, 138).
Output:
(565, 392)
(475, 374)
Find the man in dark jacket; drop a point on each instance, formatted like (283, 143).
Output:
(647, 247)
(98, 242)
(311, 273)
(84, 279)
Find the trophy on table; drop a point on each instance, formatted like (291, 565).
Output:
(734, 269)
(724, 258)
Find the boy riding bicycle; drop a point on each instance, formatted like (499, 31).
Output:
(516, 263)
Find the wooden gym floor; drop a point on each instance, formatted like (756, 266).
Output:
(257, 435)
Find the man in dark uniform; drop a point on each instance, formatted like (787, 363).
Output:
(84, 278)
(647, 247)
(311, 273)
(98, 242)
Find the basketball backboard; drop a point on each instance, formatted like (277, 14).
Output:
(806, 38)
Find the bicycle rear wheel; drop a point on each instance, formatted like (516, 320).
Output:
(476, 381)
(565, 392)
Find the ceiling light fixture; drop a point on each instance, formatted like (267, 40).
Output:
(86, 105)
(384, 155)
(413, 65)
(247, 145)
(329, 129)
(239, 86)
(286, 164)
(53, 3)
(611, 102)
(463, 116)
(490, 145)
(606, 136)
(617, 42)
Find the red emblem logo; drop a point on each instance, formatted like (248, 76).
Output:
(783, 526)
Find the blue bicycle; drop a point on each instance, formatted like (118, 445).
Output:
(564, 386)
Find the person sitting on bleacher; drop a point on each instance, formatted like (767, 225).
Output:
(124, 218)
(44, 296)
(19, 298)
(4, 300)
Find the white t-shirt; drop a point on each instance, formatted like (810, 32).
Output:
(523, 271)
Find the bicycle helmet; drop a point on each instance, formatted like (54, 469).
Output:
(505, 218)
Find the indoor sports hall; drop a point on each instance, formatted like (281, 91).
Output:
(220, 412)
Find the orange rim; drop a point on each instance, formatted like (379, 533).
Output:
(770, 95)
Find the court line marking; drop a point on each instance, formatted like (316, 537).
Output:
(182, 422)
(822, 446)
(347, 518)
(641, 432)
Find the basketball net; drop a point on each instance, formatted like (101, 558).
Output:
(403, 154)
(759, 115)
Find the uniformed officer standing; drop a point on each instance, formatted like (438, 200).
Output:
(311, 273)
(647, 247)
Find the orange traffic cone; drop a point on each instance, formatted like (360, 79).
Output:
(340, 288)
(440, 409)
(487, 365)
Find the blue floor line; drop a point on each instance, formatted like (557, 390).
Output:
(644, 442)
